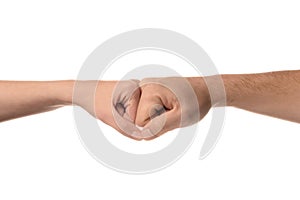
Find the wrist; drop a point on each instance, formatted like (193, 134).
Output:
(200, 89)
(210, 89)
(62, 92)
(229, 82)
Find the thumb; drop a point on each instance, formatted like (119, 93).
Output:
(161, 124)
(149, 107)
(132, 105)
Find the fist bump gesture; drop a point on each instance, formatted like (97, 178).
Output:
(169, 103)
(148, 108)
(145, 109)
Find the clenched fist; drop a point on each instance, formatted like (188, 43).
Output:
(113, 102)
(145, 109)
(169, 103)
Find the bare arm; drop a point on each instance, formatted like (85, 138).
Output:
(102, 99)
(22, 98)
(276, 94)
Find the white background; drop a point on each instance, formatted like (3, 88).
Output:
(41, 157)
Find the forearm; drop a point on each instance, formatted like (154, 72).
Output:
(22, 98)
(275, 94)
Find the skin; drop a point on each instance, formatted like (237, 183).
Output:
(275, 94)
(23, 98)
(97, 98)
(169, 103)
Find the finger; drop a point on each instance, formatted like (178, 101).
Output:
(131, 106)
(161, 124)
(125, 102)
(149, 105)
(125, 126)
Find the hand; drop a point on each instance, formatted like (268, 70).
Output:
(113, 102)
(169, 103)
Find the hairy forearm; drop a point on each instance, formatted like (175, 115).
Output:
(275, 94)
(22, 98)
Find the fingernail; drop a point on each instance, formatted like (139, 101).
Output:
(139, 127)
